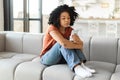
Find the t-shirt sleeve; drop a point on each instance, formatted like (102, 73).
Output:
(52, 28)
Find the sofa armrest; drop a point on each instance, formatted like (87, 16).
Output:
(2, 42)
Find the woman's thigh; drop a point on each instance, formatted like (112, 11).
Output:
(53, 56)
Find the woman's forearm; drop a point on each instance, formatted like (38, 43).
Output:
(72, 45)
(64, 42)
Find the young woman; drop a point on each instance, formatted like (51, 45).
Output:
(57, 48)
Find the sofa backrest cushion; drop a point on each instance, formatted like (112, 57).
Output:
(32, 43)
(104, 49)
(118, 56)
(86, 47)
(14, 41)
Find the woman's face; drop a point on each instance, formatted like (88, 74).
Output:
(64, 19)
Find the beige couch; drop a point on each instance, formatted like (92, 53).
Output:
(19, 58)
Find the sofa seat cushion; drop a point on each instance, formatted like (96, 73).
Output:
(117, 68)
(30, 70)
(116, 75)
(10, 61)
(104, 70)
(14, 55)
(7, 54)
(58, 72)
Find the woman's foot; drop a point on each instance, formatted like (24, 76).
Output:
(87, 68)
(80, 71)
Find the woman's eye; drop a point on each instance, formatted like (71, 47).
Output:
(63, 18)
(68, 18)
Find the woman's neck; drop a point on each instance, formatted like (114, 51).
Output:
(62, 29)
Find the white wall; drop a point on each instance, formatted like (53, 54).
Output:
(1, 16)
(98, 27)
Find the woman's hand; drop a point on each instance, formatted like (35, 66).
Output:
(76, 39)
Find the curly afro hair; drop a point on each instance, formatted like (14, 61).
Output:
(55, 15)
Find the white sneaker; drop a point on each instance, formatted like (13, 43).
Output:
(80, 71)
(87, 68)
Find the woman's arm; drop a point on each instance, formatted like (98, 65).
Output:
(64, 42)
(76, 39)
